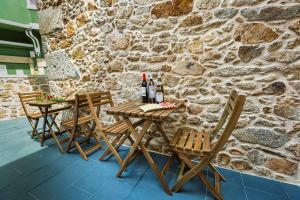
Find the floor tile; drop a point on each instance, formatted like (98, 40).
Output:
(256, 194)
(8, 175)
(231, 188)
(113, 189)
(263, 184)
(59, 182)
(73, 193)
(293, 191)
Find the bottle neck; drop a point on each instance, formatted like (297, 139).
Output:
(150, 77)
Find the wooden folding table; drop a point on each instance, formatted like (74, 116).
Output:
(44, 107)
(132, 110)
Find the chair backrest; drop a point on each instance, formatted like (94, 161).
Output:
(91, 102)
(100, 99)
(230, 116)
(26, 97)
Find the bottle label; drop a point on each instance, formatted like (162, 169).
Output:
(143, 91)
(159, 97)
(151, 91)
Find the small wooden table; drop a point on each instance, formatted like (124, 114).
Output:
(132, 110)
(44, 107)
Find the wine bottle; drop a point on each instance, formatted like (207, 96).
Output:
(159, 97)
(151, 90)
(143, 89)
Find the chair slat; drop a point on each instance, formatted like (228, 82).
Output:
(183, 139)
(101, 103)
(118, 127)
(190, 141)
(29, 99)
(121, 128)
(206, 142)
(198, 142)
(30, 96)
(30, 93)
(175, 138)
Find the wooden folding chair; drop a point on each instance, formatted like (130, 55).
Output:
(34, 116)
(188, 144)
(118, 131)
(81, 127)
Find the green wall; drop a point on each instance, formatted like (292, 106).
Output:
(11, 51)
(17, 11)
(12, 67)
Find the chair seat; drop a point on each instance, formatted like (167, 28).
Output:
(116, 128)
(81, 120)
(191, 141)
(35, 115)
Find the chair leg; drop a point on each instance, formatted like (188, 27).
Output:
(108, 151)
(80, 151)
(196, 170)
(71, 140)
(113, 150)
(57, 141)
(182, 166)
(34, 127)
(168, 164)
(53, 117)
(213, 169)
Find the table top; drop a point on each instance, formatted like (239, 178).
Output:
(42, 103)
(47, 103)
(131, 109)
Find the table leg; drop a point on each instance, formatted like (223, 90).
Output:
(44, 125)
(147, 155)
(155, 169)
(56, 140)
(138, 139)
(47, 123)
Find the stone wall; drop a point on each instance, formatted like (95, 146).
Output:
(204, 48)
(10, 106)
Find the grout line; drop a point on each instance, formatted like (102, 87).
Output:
(285, 192)
(79, 188)
(136, 184)
(33, 196)
(244, 186)
(263, 177)
(206, 187)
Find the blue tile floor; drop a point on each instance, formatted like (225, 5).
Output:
(31, 172)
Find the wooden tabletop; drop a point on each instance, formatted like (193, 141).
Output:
(47, 103)
(132, 109)
(42, 103)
